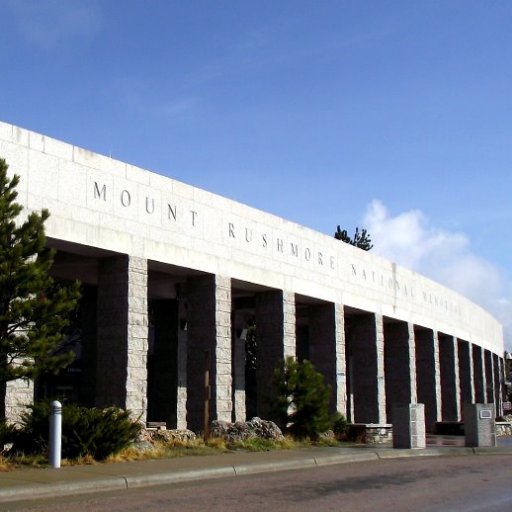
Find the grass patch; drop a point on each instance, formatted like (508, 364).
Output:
(258, 444)
(170, 449)
(173, 449)
(10, 463)
(212, 446)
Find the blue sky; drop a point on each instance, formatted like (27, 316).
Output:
(394, 115)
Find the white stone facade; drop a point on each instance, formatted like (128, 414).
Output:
(102, 208)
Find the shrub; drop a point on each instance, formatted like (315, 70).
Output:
(97, 433)
(340, 426)
(301, 406)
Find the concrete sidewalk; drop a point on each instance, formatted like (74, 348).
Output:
(24, 484)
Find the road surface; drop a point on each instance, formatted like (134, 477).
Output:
(419, 484)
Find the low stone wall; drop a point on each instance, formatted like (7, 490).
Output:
(370, 433)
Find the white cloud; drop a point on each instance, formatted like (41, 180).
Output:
(410, 240)
(48, 23)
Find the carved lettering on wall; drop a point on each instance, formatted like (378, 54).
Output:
(300, 251)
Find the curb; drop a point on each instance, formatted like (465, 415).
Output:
(20, 492)
(31, 492)
(176, 477)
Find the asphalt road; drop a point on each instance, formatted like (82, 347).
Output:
(420, 484)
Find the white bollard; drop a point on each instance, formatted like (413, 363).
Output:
(55, 433)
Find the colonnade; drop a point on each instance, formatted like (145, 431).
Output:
(369, 360)
(170, 290)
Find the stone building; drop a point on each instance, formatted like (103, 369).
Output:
(173, 276)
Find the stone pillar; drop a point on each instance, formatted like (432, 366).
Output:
(503, 378)
(478, 374)
(489, 377)
(479, 425)
(427, 374)
(121, 371)
(209, 347)
(181, 393)
(367, 368)
(18, 394)
(399, 362)
(450, 383)
(467, 388)
(409, 426)
(327, 351)
(275, 340)
(498, 383)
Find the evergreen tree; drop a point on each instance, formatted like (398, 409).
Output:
(34, 310)
(301, 406)
(361, 240)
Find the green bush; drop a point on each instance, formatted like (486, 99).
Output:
(340, 426)
(85, 432)
(301, 406)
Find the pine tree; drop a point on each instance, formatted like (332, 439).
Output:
(34, 310)
(361, 240)
(301, 405)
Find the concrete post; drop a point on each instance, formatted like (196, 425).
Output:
(479, 425)
(55, 447)
(409, 426)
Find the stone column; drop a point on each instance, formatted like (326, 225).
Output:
(498, 383)
(327, 351)
(367, 379)
(450, 383)
(467, 388)
(121, 371)
(399, 362)
(209, 347)
(18, 394)
(489, 377)
(478, 374)
(479, 425)
(427, 374)
(275, 340)
(181, 392)
(409, 426)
